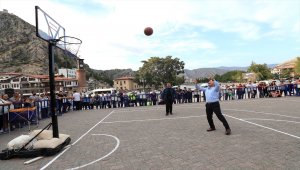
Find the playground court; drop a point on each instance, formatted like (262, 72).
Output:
(265, 135)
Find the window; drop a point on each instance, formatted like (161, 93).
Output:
(124, 82)
(15, 80)
(31, 79)
(23, 79)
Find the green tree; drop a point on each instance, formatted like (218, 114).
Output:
(262, 71)
(179, 80)
(202, 80)
(297, 67)
(218, 77)
(286, 73)
(157, 71)
(230, 76)
(18, 70)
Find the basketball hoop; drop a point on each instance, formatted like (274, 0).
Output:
(53, 33)
(69, 44)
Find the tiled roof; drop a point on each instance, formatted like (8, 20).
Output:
(12, 74)
(64, 79)
(125, 78)
(287, 64)
(39, 76)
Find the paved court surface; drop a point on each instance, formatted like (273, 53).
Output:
(265, 135)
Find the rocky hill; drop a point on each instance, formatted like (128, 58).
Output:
(22, 51)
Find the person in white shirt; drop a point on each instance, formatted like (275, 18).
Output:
(251, 89)
(77, 100)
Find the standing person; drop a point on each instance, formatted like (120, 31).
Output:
(153, 97)
(240, 91)
(97, 100)
(16, 100)
(213, 106)
(77, 100)
(168, 95)
(44, 106)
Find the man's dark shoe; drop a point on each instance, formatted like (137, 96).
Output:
(171, 113)
(167, 114)
(210, 129)
(228, 132)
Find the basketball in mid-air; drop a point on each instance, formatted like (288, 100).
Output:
(148, 31)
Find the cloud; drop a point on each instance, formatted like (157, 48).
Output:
(112, 30)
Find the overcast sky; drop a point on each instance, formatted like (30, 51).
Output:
(202, 33)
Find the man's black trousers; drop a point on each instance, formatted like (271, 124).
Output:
(215, 108)
(169, 104)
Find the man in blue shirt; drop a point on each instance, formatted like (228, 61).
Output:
(213, 105)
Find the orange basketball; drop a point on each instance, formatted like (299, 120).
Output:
(148, 31)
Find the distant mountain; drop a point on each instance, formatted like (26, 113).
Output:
(233, 68)
(203, 72)
(115, 73)
(242, 68)
(272, 65)
(210, 72)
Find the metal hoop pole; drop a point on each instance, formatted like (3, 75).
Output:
(52, 89)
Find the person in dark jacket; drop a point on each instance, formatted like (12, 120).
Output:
(168, 95)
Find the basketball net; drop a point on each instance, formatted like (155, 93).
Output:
(70, 44)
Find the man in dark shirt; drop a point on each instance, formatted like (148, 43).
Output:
(168, 95)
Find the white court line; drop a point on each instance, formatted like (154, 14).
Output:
(116, 147)
(140, 109)
(266, 113)
(160, 108)
(49, 163)
(258, 100)
(276, 120)
(288, 100)
(145, 120)
(263, 126)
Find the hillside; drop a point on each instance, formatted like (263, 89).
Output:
(210, 72)
(22, 51)
(203, 72)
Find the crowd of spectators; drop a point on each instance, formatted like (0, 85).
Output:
(82, 101)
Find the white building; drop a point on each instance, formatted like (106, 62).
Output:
(68, 73)
(25, 83)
